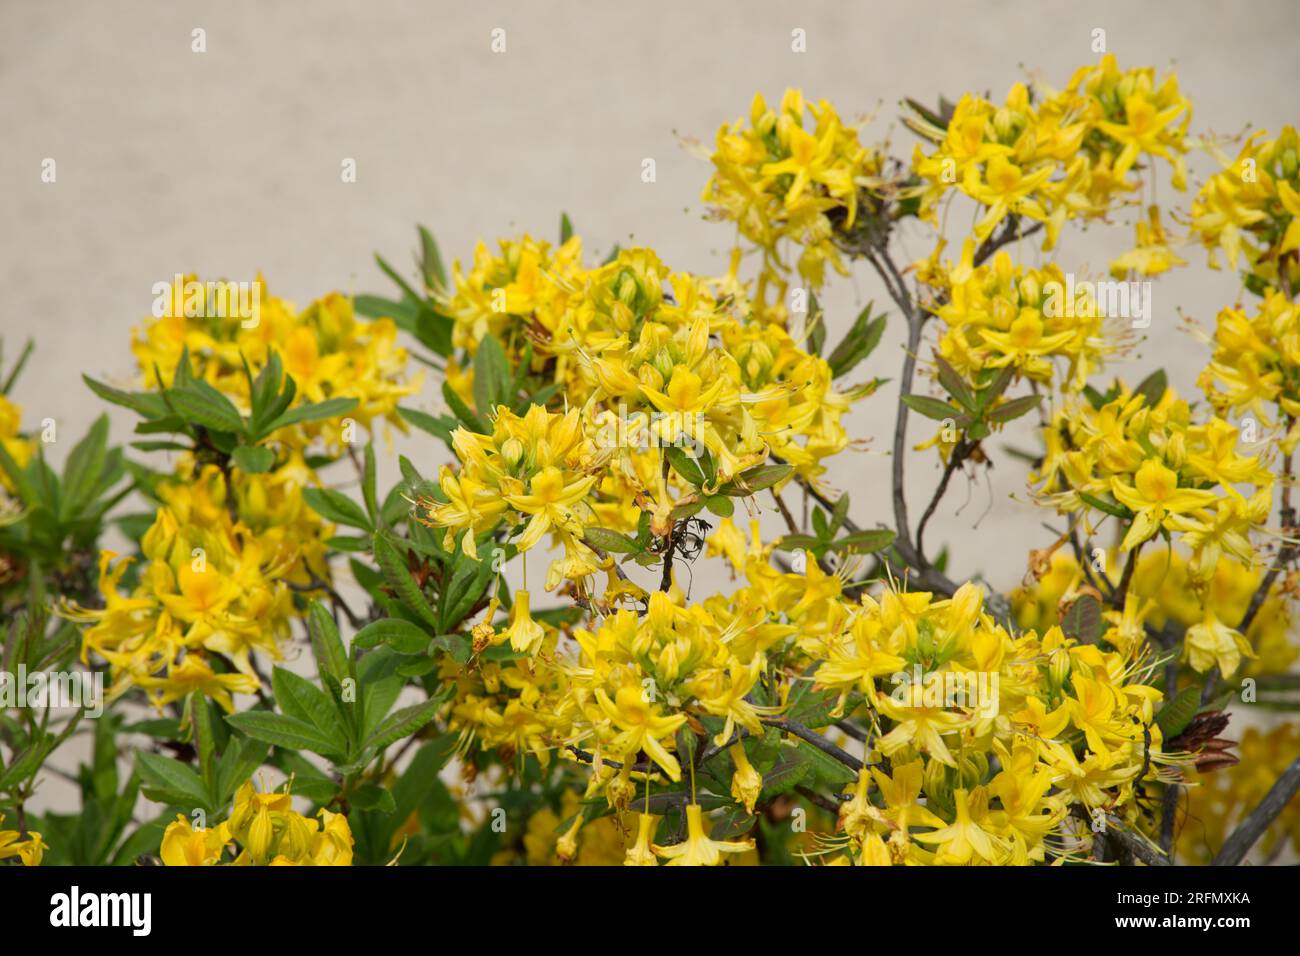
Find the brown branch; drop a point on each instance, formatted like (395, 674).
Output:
(1236, 847)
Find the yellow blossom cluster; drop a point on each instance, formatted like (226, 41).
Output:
(327, 351)
(268, 831)
(1141, 457)
(1164, 594)
(1002, 316)
(642, 371)
(1255, 366)
(214, 585)
(791, 175)
(1251, 211)
(1052, 156)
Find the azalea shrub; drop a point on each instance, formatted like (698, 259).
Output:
(503, 656)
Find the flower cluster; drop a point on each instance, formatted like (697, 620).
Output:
(1251, 211)
(324, 348)
(643, 372)
(1003, 316)
(1051, 156)
(1142, 458)
(1255, 366)
(214, 582)
(792, 174)
(268, 831)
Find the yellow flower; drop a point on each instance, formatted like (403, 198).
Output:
(525, 634)
(1212, 643)
(182, 845)
(698, 849)
(29, 850)
(1155, 497)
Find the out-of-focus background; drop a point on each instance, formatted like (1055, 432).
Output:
(227, 162)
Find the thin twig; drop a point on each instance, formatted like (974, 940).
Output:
(1236, 847)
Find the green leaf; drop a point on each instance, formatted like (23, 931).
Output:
(282, 731)
(566, 228)
(170, 781)
(337, 507)
(685, 465)
(435, 273)
(1083, 619)
(858, 344)
(299, 698)
(1175, 715)
(954, 386)
(493, 380)
(253, 459)
(84, 468)
(368, 493)
(720, 505)
(402, 636)
(403, 723)
(468, 582)
(403, 584)
(1014, 408)
(756, 480)
(239, 761)
(330, 408)
(326, 644)
(468, 417)
(930, 407)
(200, 713)
(864, 542)
(371, 796)
(148, 404)
(439, 426)
(1153, 387)
(611, 541)
(201, 404)
(797, 542)
(1109, 507)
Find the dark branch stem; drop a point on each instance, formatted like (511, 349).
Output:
(1252, 828)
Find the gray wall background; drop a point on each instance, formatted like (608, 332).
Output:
(227, 162)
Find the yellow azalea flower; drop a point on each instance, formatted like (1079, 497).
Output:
(1211, 643)
(183, 845)
(967, 839)
(698, 849)
(525, 634)
(1155, 497)
(641, 853)
(746, 782)
(641, 727)
(29, 850)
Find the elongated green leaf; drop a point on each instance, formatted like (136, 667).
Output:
(403, 584)
(337, 507)
(326, 644)
(402, 723)
(301, 699)
(864, 542)
(170, 780)
(330, 408)
(402, 636)
(283, 731)
(930, 407)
